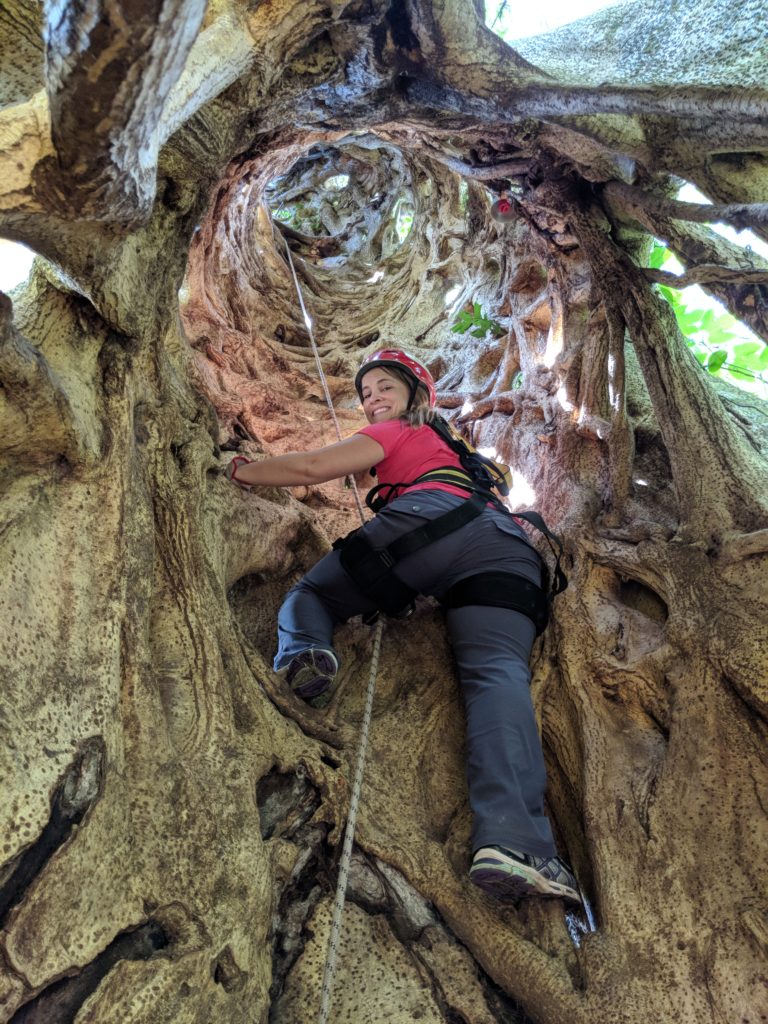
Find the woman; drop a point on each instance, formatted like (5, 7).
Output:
(514, 853)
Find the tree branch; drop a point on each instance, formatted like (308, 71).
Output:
(506, 169)
(496, 101)
(621, 440)
(25, 140)
(740, 215)
(706, 273)
(714, 472)
(745, 297)
(220, 55)
(110, 68)
(742, 545)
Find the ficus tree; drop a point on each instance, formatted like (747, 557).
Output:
(171, 815)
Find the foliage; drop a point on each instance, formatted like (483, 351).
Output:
(403, 219)
(719, 342)
(301, 217)
(476, 320)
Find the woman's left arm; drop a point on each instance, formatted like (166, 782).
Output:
(353, 455)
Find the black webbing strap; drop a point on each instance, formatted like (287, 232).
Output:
(371, 568)
(501, 590)
(438, 528)
(555, 546)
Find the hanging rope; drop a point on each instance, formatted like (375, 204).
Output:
(321, 374)
(349, 832)
(349, 835)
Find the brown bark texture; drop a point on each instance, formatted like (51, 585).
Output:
(171, 816)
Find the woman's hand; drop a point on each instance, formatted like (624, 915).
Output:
(230, 471)
(353, 455)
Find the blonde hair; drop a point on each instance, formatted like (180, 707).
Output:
(420, 411)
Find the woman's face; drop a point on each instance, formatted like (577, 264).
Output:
(384, 396)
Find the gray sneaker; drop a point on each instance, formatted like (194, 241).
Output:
(508, 874)
(310, 675)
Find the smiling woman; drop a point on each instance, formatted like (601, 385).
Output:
(437, 529)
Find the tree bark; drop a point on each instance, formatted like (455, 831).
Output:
(172, 815)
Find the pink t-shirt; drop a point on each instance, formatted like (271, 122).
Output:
(409, 452)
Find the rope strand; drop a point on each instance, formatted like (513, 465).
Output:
(349, 834)
(321, 374)
(329, 972)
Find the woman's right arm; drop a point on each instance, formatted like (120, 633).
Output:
(353, 455)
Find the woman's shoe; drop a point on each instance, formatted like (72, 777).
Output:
(310, 675)
(508, 874)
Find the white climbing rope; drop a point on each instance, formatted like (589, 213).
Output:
(357, 784)
(349, 834)
(320, 372)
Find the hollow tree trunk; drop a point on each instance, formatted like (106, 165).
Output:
(171, 815)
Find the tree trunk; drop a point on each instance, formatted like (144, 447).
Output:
(172, 815)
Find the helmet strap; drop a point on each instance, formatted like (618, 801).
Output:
(413, 387)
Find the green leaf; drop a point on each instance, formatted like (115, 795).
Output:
(747, 348)
(689, 322)
(462, 322)
(658, 256)
(720, 337)
(716, 360)
(751, 355)
(481, 333)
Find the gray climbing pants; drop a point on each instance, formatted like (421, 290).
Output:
(505, 765)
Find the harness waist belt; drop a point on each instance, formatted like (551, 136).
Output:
(379, 496)
(372, 570)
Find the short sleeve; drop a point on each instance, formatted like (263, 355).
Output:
(388, 434)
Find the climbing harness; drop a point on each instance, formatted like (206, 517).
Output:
(372, 568)
(484, 479)
(349, 832)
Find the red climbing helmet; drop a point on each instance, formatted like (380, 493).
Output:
(395, 357)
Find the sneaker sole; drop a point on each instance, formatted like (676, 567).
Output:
(308, 684)
(517, 881)
(311, 681)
